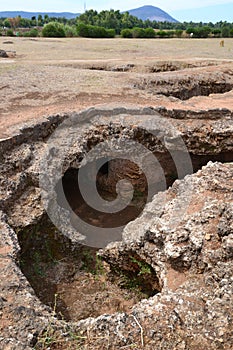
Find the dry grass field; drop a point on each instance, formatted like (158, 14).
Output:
(46, 76)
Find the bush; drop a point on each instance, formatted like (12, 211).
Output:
(161, 33)
(190, 30)
(138, 32)
(33, 33)
(199, 32)
(149, 33)
(9, 32)
(54, 30)
(70, 31)
(216, 32)
(89, 31)
(82, 30)
(96, 32)
(111, 33)
(178, 33)
(126, 33)
(203, 32)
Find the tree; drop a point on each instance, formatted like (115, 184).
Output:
(14, 22)
(225, 32)
(54, 29)
(40, 20)
(6, 23)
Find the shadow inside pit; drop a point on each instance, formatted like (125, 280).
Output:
(73, 281)
(106, 181)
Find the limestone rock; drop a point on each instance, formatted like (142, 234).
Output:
(185, 234)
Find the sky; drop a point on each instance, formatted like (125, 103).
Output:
(180, 9)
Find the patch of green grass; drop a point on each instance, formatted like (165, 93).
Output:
(92, 263)
(138, 279)
(144, 268)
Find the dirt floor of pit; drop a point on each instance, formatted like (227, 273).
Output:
(74, 281)
(34, 84)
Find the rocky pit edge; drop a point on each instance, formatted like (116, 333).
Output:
(192, 262)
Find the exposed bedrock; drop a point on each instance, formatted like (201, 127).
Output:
(183, 237)
(185, 86)
(193, 262)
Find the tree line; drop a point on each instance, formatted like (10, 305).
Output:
(109, 24)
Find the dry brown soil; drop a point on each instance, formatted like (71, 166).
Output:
(46, 76)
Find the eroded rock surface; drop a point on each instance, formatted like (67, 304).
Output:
(3, 54)
(193, 261)
(185, 235)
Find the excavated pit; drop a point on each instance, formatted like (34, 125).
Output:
(106, 182)
(184, 89)
(71, 278)
(74, 281)
(171, 66)
(157, 67)
(202, 88)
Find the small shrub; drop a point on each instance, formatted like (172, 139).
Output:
(138, 32)
(178, 33)
(111, 33)
(9, 32)
(82, 30)
(89, 31)
(33, 33)
(54, 30)
(149, 33)
(162, 33)
(126, 33)
(170, 33)
(70, 31)
(216, 32)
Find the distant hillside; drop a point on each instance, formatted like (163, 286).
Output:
(29, 15)
(145, 12)
(152, 13)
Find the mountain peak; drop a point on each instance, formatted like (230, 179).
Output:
(152, 13)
